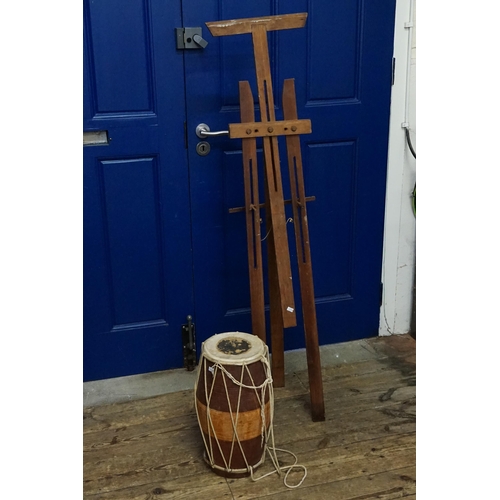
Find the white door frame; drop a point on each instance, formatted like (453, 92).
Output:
(398, 265)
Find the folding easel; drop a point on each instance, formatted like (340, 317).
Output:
(282, 306)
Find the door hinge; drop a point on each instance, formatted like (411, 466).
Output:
(189, 38)
(393, 70)
(189, 344)
(381, 294)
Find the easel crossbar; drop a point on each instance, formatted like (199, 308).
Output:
(269, 129)
(271, 23)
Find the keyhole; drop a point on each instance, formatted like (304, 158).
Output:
(203, 148)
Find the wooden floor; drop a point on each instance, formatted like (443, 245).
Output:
(152, 448)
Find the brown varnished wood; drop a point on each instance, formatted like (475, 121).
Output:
(225, 395)
(274, 188)
(304, 256)
(252, 215)
(248, 424)
(277, 241)
(270, 23)
(269, 129)
(275, 315)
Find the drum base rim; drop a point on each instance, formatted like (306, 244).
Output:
(230, 474)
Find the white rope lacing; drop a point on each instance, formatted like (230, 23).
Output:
(267, 431)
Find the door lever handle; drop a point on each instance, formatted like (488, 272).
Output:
(203, 130)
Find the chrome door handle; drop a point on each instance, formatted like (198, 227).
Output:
(203, 130)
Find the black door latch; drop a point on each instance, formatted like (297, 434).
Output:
(189, 344)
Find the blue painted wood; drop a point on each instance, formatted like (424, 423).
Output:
(123, 59)
(341, 63)
(137, 260)
(159, 243)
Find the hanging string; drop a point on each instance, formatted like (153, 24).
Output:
(290, 219)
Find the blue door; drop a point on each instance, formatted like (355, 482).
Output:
(342, 65)
(137, 257)
(159, 240)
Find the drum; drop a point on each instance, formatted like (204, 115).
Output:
(234, 402)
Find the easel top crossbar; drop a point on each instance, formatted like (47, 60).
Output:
(271, 23)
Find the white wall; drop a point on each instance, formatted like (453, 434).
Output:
(398, 266)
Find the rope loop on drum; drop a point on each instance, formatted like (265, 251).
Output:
(266, 412)
(267, 382)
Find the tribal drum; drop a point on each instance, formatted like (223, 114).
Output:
(234, 402)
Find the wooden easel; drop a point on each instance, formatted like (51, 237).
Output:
(282, 306)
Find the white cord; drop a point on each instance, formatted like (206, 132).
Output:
(278, 469)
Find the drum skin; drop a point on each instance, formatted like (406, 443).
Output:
(223, 396)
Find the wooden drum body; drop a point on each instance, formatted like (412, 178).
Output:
(234, 402)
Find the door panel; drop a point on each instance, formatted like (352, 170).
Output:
(123, 62)
(332, 37)
(137, 261)
(341, 62)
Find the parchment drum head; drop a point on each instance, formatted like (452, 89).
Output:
(233, 348)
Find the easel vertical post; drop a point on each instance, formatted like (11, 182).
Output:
(274, 188)
(252, 215)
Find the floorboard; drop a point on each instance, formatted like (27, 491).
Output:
(365, 448)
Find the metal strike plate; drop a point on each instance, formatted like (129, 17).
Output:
(96, 138)
(189, 38)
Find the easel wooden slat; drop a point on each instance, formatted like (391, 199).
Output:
(269, 129)
(271, 23)
(304, 256)
(275, 200)
(275, 303)
(252, 214)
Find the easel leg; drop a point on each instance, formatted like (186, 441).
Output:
(252, 214)
(276, 319)
(304, 256)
